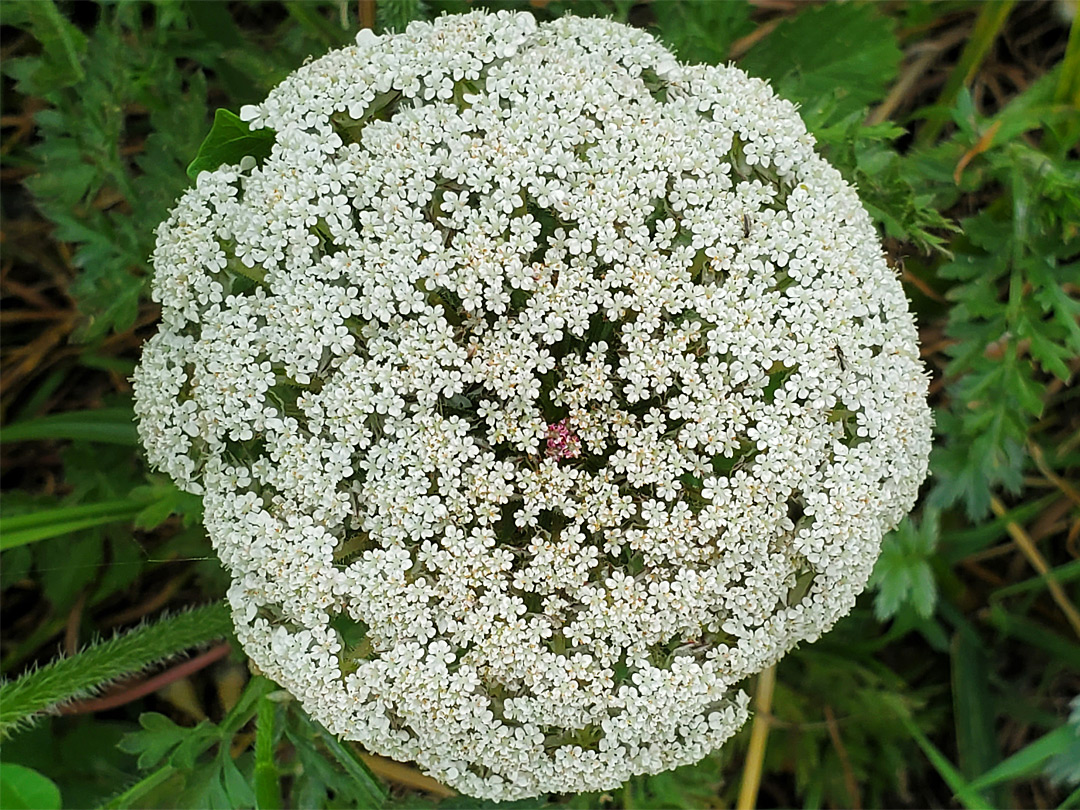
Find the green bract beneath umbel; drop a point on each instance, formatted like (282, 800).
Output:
(229, 141)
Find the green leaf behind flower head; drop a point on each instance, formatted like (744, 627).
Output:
(21, 787)
(229, 141)
(833, 60)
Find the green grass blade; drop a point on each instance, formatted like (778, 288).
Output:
(1068, 86)
(64, 514)
(18, 530)
(972, 709)
(21, 538)
(1061, 649)
(1066, 572)
(349, 761)
(132, 796)
(108, 425)
(88, 671)
(1028, 760)
(955, 545)
(960, 787)
(991, 18)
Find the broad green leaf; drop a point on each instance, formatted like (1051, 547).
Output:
(833, 59)
(22, 788)
(703, 30)
(229, 141)
(83, 558)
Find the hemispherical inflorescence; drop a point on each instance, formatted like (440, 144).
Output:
(540, 390)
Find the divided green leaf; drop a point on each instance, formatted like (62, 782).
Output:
(903, 574)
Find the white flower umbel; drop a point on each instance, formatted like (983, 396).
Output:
(541, 390)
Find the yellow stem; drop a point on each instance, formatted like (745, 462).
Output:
(405, 775)
(759, 735)
(1031, 551)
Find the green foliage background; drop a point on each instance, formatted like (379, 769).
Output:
(949, 685)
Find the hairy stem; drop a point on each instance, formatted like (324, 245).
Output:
(83, 674)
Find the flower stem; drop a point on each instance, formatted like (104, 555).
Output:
(24, 700)
(759, 735)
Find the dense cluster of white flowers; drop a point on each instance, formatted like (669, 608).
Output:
(540, 390)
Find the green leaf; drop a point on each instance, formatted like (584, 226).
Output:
(110, 425)
(158, 737)
(968, 469)
(229, 141)
(363, 782)
(237, 788)
(703, 30)
(22, 788)
(1029, 760)
(961, 788)
(833, 59)
(163, 500)
(18, 530)
(973, 711)
(395, 15)
(1065, 308)
(46, 523)
(1064, 767)
(902, 574)
(63, 47)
